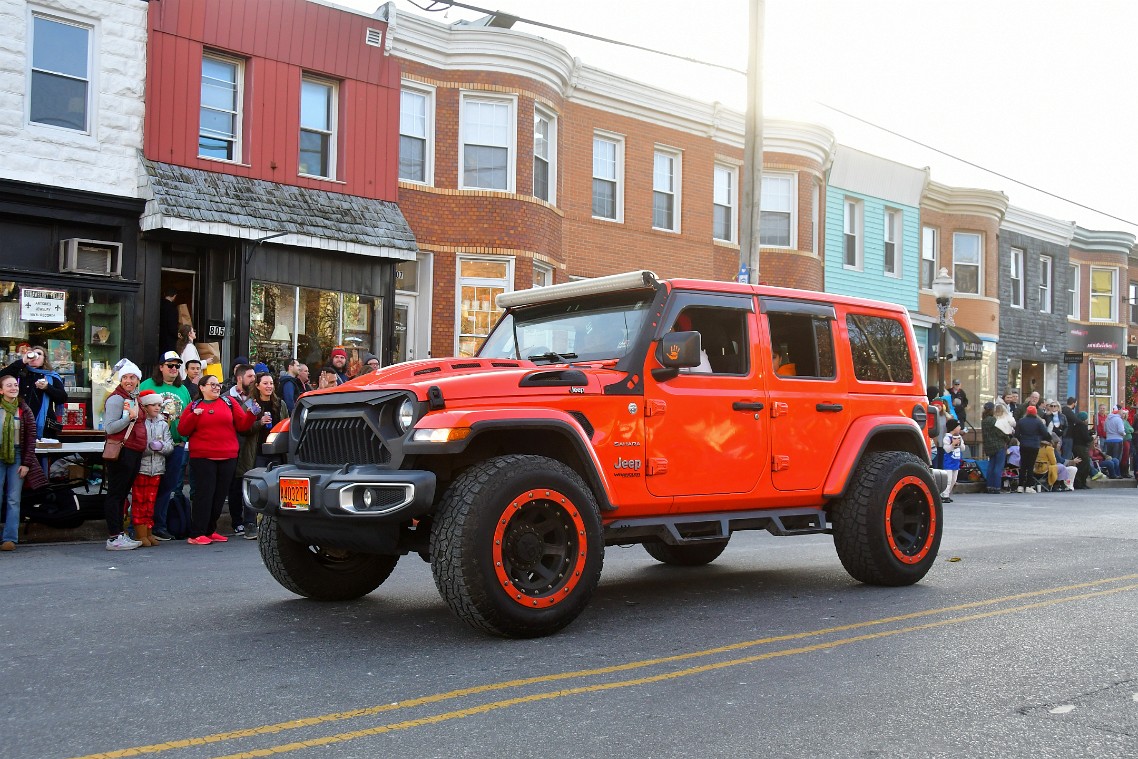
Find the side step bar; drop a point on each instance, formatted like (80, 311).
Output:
(697, 528)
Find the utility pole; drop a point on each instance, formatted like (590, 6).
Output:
(752, 148)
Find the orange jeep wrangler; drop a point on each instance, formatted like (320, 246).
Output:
(624, 409)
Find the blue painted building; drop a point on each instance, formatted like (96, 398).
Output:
(873, 228)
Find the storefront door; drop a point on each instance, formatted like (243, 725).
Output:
(404, 346)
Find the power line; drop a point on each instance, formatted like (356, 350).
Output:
(444, 4)
(867, 122)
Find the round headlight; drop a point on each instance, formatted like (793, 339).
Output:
(406, 416)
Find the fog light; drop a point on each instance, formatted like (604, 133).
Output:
(368, 497)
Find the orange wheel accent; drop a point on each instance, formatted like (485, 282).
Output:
(910, 520)
(539, 548)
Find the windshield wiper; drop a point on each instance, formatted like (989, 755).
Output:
(551, 356)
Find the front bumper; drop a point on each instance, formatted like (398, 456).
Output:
(350, 496)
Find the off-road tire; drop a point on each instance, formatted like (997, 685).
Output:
(692, 555)
(888, 526)
(516, 546)
(318, 573)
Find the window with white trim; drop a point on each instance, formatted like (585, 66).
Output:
(608, 177)
(967, 257)
(59, 83)
(219, 129)
(815, 200)
(480, 282)
(317, 128)
(666, 190)
(1045, 266)
(1073, 292)
(486, 150)
(928, 256)
(1104, 285)
(416, 129)
(1134, 302)
(544, 155)
(851, 234)
(542, 274)
(724, 198)
(776, 224)
(893, 236)
(1016, 277)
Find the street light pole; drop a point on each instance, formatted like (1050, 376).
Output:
(943, 288)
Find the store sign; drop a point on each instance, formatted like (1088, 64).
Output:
(215, 329)
(1086, 338)
(1072, 358)
(1100, 378)
(43, 305)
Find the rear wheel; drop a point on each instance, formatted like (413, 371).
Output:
(322, 574)
(516, 546)
(692, 555)
(887, 528)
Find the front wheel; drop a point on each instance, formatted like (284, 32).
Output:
(516, 546)
(322, 574)
(887, 528)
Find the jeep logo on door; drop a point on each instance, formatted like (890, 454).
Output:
(627, 467)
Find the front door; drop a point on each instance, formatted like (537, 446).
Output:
(705, 428)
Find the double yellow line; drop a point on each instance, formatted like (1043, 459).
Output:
(641, 664)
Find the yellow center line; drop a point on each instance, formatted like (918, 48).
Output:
(549, 695)
(553, 677)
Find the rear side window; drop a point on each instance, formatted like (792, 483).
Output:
(802, 345)
(880, 349)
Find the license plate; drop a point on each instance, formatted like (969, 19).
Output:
(294, 493)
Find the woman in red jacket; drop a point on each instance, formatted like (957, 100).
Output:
(211, 425)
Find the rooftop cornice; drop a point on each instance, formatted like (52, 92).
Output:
(1104, 241)
(971, 201)
(507, 51)
(1037, 226)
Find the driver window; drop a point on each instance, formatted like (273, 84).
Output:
(723, 338)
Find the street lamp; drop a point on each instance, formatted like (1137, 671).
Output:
(943, 288)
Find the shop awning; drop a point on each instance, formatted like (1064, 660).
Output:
(960, 344)
(209, 203)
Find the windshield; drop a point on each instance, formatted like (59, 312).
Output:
(589, 329)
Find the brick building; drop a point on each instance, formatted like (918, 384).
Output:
(519, 165)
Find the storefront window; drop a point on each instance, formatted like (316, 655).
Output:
(480, 283)
(82, 332)
(287, 321)
(1101, 384)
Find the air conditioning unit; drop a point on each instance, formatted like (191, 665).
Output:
(97, 257)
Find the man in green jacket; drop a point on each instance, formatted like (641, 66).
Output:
(167, 382)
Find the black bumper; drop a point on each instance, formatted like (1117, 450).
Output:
(349, 496)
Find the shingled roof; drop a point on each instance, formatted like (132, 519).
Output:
(205, 202)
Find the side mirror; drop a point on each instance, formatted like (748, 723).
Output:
(678, 350)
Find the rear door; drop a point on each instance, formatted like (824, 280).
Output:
(808, 409)
(705, 429)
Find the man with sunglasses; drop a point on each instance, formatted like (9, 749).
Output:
(167, 383)
(40, 387)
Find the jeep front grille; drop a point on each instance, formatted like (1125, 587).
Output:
(339, 441)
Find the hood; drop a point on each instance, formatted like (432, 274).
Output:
(464, 378)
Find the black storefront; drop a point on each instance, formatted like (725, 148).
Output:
(283, 271)
(70, 277)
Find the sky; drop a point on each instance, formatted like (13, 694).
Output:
(1041, 91)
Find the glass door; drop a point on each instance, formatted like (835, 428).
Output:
(403, 348)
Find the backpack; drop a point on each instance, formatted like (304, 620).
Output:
(178, 515)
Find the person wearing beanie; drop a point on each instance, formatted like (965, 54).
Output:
(1081, 448)
(340, 364)
(144, 489)
(952, 444)
(1031, 431)
(175, 396)
(120, 421)
(371, 362)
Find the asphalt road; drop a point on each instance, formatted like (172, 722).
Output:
(1021, 642)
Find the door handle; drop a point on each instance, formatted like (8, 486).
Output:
(828, 407)
(745, 406)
